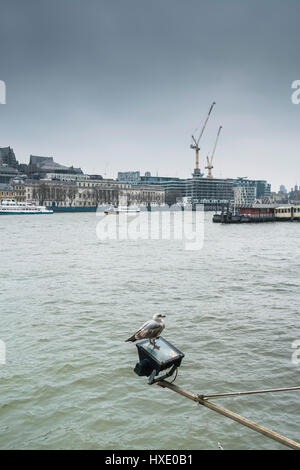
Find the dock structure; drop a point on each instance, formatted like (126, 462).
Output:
(202, 400)
(239, 214)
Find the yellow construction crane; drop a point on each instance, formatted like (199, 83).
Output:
(209, 166)
(195, 144)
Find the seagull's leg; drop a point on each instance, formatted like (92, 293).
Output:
(152, 342)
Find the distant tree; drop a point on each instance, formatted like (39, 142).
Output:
(97, 195)
(86, 195)
(172, 196)
(71, 193)
(114, 196)
(42, 193)
(61, 194)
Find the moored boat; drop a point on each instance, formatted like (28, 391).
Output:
(258, 213)
(11, 207)
(123, 210)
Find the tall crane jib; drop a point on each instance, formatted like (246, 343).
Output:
(195, 144)
(209, 166)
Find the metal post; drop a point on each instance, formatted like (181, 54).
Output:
(234, 416)
(249, 392)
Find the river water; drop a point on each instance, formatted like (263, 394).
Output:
(69, 300)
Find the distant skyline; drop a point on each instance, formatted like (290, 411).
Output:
(121, 86)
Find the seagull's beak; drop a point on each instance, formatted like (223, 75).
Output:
(164, 316)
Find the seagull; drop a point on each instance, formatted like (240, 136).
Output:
(151, 329)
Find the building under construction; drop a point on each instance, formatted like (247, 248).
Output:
(212, 192)
(200, 189)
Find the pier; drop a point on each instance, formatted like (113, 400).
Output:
(241, 214)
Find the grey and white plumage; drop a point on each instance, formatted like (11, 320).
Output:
(151, 329)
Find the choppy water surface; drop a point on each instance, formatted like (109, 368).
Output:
(68, 302)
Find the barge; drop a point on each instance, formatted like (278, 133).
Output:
(258, 213)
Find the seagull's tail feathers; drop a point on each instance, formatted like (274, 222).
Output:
(132, 339)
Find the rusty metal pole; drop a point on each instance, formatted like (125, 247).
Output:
(234, 416)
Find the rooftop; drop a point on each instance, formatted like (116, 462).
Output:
(5, 187)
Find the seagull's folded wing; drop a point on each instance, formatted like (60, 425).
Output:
(148, 330)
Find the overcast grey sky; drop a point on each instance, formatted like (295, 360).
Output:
(112, 85)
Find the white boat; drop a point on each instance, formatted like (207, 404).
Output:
(10, 206)
(123, 210)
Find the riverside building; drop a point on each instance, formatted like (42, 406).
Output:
(212, 192)
(6, 192)
(86, 195)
